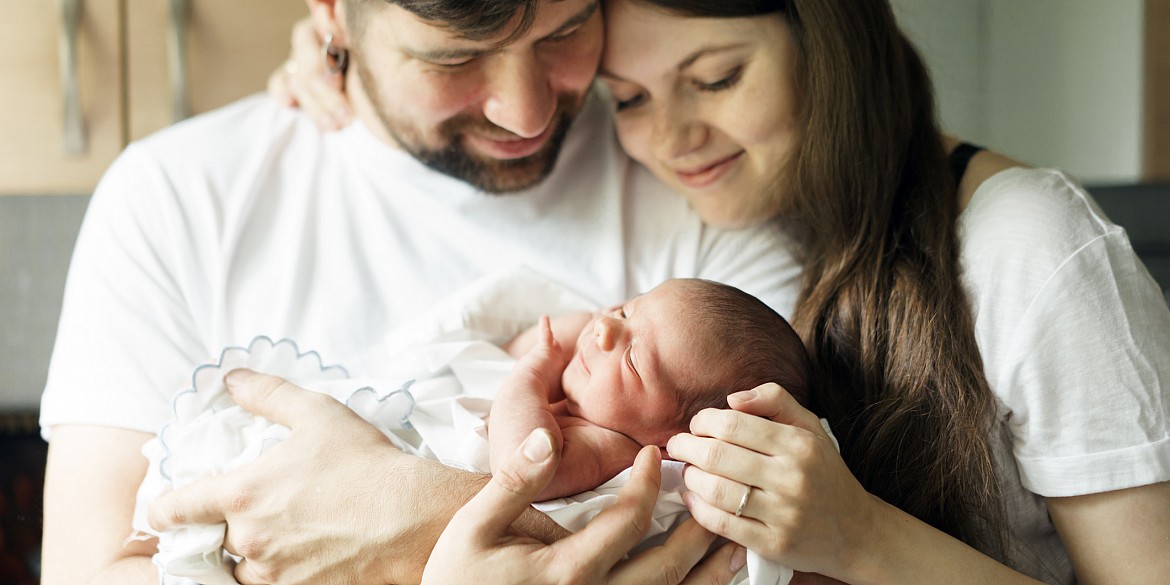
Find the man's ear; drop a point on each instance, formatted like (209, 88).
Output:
(328, 18)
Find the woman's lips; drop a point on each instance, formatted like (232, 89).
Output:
(705, 175)
(510, 148)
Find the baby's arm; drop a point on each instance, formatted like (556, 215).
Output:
(590, 454)
(565, 329)
(522, 403)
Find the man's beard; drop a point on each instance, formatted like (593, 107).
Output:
(453, 159)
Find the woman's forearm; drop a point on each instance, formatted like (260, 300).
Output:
(897, 548)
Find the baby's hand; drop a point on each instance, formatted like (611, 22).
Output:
(545, 362)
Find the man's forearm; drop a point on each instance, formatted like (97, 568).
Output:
(128, 571)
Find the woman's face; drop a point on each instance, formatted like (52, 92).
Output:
(708, 104)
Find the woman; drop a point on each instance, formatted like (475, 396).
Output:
(985, 337)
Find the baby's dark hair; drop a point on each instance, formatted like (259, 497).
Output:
(748, 344)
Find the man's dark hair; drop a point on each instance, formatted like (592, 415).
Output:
(749, 344)
(474, 19)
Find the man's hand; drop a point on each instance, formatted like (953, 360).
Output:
(334, 503)
(478, 545)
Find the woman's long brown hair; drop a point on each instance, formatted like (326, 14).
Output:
(882, 311)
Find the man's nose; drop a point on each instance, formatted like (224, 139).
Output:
(520, 97)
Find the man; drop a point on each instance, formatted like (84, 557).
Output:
(479, 146)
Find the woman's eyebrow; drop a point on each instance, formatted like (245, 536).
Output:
(682, 65)
(703, 52)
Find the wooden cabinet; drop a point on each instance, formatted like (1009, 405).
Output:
(33, 158)
(126, 72)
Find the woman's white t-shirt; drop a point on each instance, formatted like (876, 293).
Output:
(1075, 339)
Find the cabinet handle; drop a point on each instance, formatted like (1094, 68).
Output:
(177, 58)
(75, 139)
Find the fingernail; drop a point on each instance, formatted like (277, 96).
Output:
(744, 396)
(689, 499)
(237, 377)
(738, 559)
(538, 446)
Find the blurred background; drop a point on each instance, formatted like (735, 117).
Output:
(1080, 85)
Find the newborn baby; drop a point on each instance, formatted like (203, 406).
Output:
(637, 374)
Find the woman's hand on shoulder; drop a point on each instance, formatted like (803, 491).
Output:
(303, 81)
(768, 476)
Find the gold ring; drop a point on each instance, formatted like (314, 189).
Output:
(743, 502)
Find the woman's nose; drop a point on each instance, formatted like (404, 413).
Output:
(677, 133)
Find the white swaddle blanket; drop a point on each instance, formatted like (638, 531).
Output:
(427, 386)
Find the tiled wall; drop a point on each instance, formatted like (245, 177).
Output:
(36, 239)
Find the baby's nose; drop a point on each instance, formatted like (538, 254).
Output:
(605, 329)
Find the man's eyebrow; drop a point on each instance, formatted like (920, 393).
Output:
(449, 53)
(575, 21)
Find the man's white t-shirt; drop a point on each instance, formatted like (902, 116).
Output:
(248, 221)
(1075, 340)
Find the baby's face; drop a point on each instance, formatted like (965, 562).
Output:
(629, 360)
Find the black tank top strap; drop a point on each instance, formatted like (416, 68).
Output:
(960, 157)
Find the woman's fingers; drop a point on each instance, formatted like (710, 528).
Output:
(490, 514)
(305, 82)
(320, 96)
(278, 88)
(746, 430)
(773, 402)
(726, 494)
(728, 525)
(722, 457)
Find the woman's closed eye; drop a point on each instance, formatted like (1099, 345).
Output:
(625, 104)
(726, 82)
